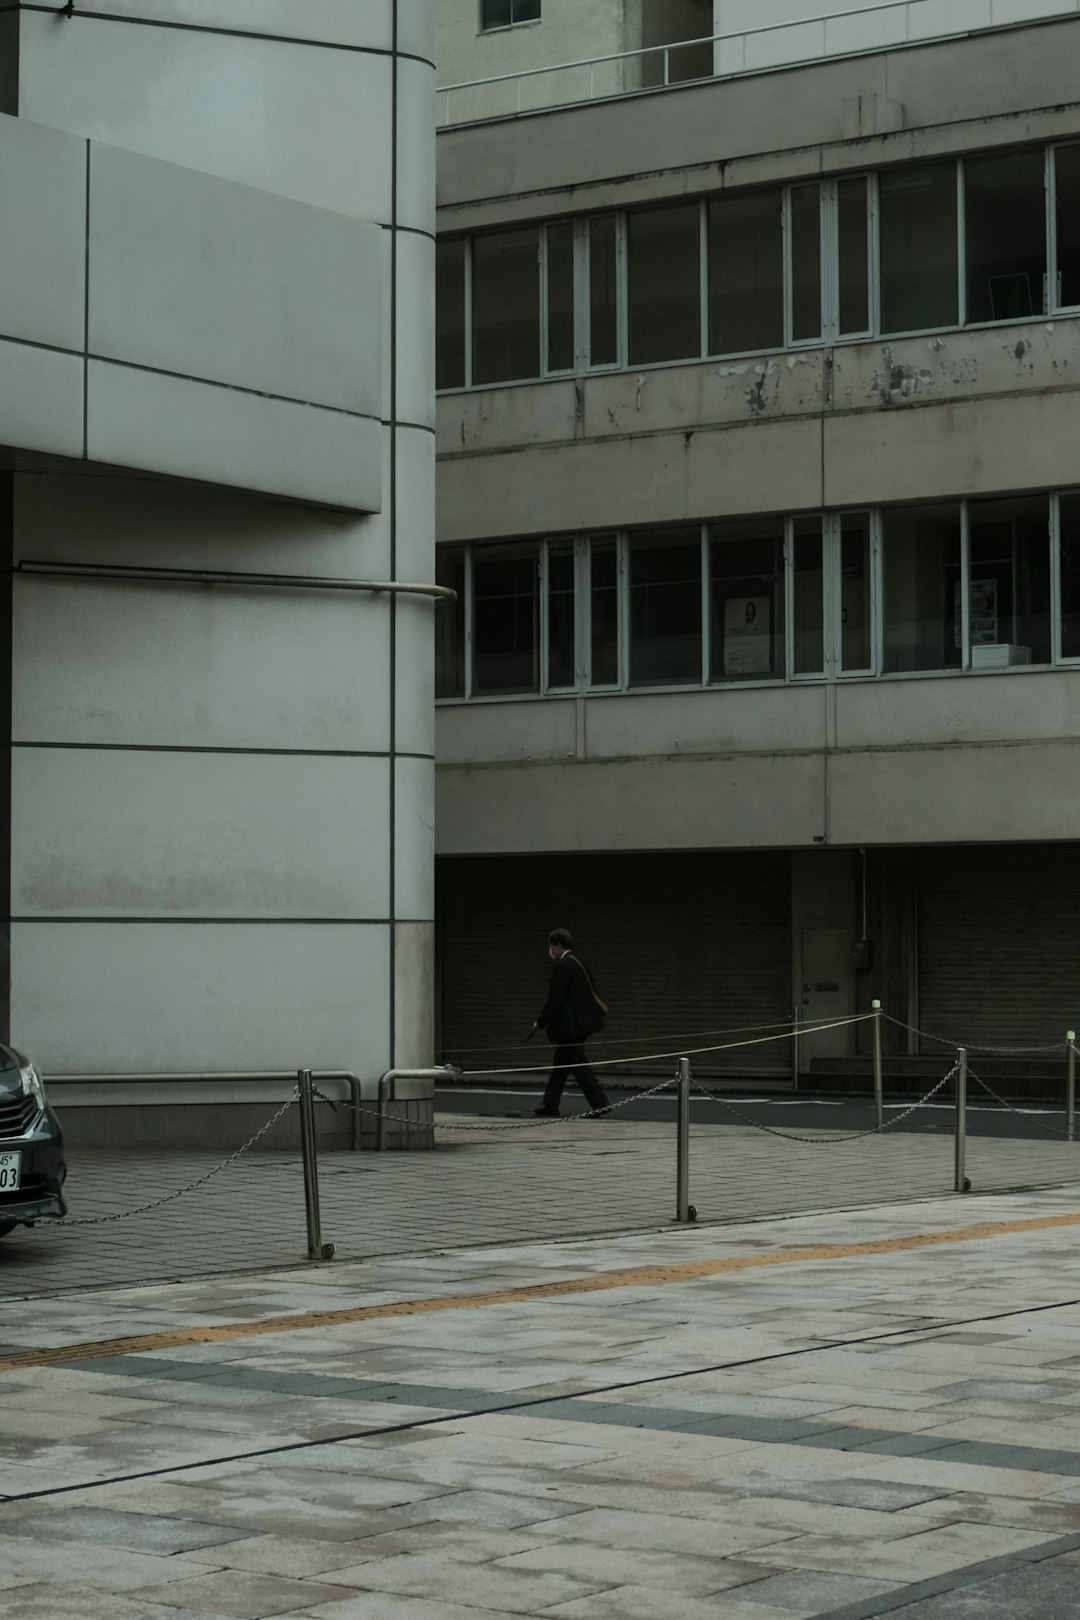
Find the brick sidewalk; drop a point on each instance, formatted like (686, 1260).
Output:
(568, 1180)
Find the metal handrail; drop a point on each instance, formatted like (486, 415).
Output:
(388, 1092)
(263, 1076)
(822, 18)
(215, 576)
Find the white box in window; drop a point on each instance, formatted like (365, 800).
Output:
(999, 655)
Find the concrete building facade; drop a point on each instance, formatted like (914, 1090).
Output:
(216, 360)
(759, 481)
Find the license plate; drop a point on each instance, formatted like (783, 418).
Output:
(10, 1169)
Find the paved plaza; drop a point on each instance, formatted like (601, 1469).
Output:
(840, 1415)
(515, 1182)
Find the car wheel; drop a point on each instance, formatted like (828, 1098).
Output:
(6, 1227)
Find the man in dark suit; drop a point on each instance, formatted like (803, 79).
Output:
(570, 1015)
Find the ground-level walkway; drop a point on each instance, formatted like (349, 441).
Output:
(842, 1415)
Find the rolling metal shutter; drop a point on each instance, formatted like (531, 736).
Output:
(679, 944)
(999, 943)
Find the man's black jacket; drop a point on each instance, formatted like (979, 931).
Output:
(570, 1014)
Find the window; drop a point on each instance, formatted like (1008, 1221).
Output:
(1067, 223)
(561, 593)
(746, 574)
(1069, 564)
(604, 611)
(506, 306)
(664, 246)
(746, 272)
(853, 256)
(805, 267)
(923, 626)
(808, 596)
(450, 313)
(450, 622)
(506, 618)
(502, 13)
(919, 248)
(1005, 230)
(855, 593)
(1009, 581)
(603, 291)
(665, 608)
(561, 345)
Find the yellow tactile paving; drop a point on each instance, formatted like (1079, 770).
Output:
(635, 1277)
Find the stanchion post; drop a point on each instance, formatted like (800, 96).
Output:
(879, 1081)
(1070, 1085)
(682, 1146)
(960, 1181)
(317, 1249)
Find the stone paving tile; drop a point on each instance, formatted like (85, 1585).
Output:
(914, 1558)
(1048, 1591)
(52, 1600)
(485, 1586)
(134, 1532)
(697, 1577)
(652, 1602)
(109, 1569)
(241, 1595)
(813, 1592)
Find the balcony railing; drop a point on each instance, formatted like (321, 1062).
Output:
(881, 26)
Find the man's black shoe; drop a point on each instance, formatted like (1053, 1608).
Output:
(546, 1113)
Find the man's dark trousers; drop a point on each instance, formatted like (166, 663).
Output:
(572, 1060)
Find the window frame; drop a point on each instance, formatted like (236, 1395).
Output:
(515, 22)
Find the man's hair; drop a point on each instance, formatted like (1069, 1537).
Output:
(563, 937)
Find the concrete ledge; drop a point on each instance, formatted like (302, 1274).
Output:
(226, 1126)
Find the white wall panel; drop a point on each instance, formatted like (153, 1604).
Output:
(416, 506)
(201, 431)
(99, 833)
(41, 400)
(309, 123)
(416, 146)
(415, 718)
(414, 999)
(43, 239)
(176, 666)
(204, 278)
(369, 25)
(486, 733)
(416, 331)
(128, 997)
(414, 841)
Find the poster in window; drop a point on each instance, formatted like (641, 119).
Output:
(984, 613)
(748, 635)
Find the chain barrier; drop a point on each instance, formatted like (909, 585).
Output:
(525, 1124)
(180, 1192)
(829, 1141)
(1059, 1135)
(785, 1025)
(974, 1046)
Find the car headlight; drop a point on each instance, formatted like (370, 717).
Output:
(32, 1086)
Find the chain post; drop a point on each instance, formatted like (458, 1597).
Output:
(1070, 1085)
(685, 1211)
(961, 1184)
(317, 1249)
(879, 1080)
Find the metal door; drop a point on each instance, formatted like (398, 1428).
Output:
(826, 991)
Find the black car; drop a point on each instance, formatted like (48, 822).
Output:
(32, 1167)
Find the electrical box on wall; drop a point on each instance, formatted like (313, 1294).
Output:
(863, 955)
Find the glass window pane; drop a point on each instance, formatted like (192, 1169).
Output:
(747, 607)
(560, 297)
(746, 272)
(808, 568)
(853, 235)
(805, 262)
(450, 624)
(1005, 227)
(604, 612)
(526, 10)
(562, 660)
(603, 292)
(506, 306)
(1069, 549)
(506, 619)
(450, 314)
(922, 587)
(665, 608)
(919, 269)
(665, 284)
(1010, 582)
(496, 13)
(855, 622)
(1067, 160)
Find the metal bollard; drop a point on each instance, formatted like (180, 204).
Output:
(1070, 1085)
(879, 1082)
(316, 1248)
(961, 1184)
(685, 1211)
